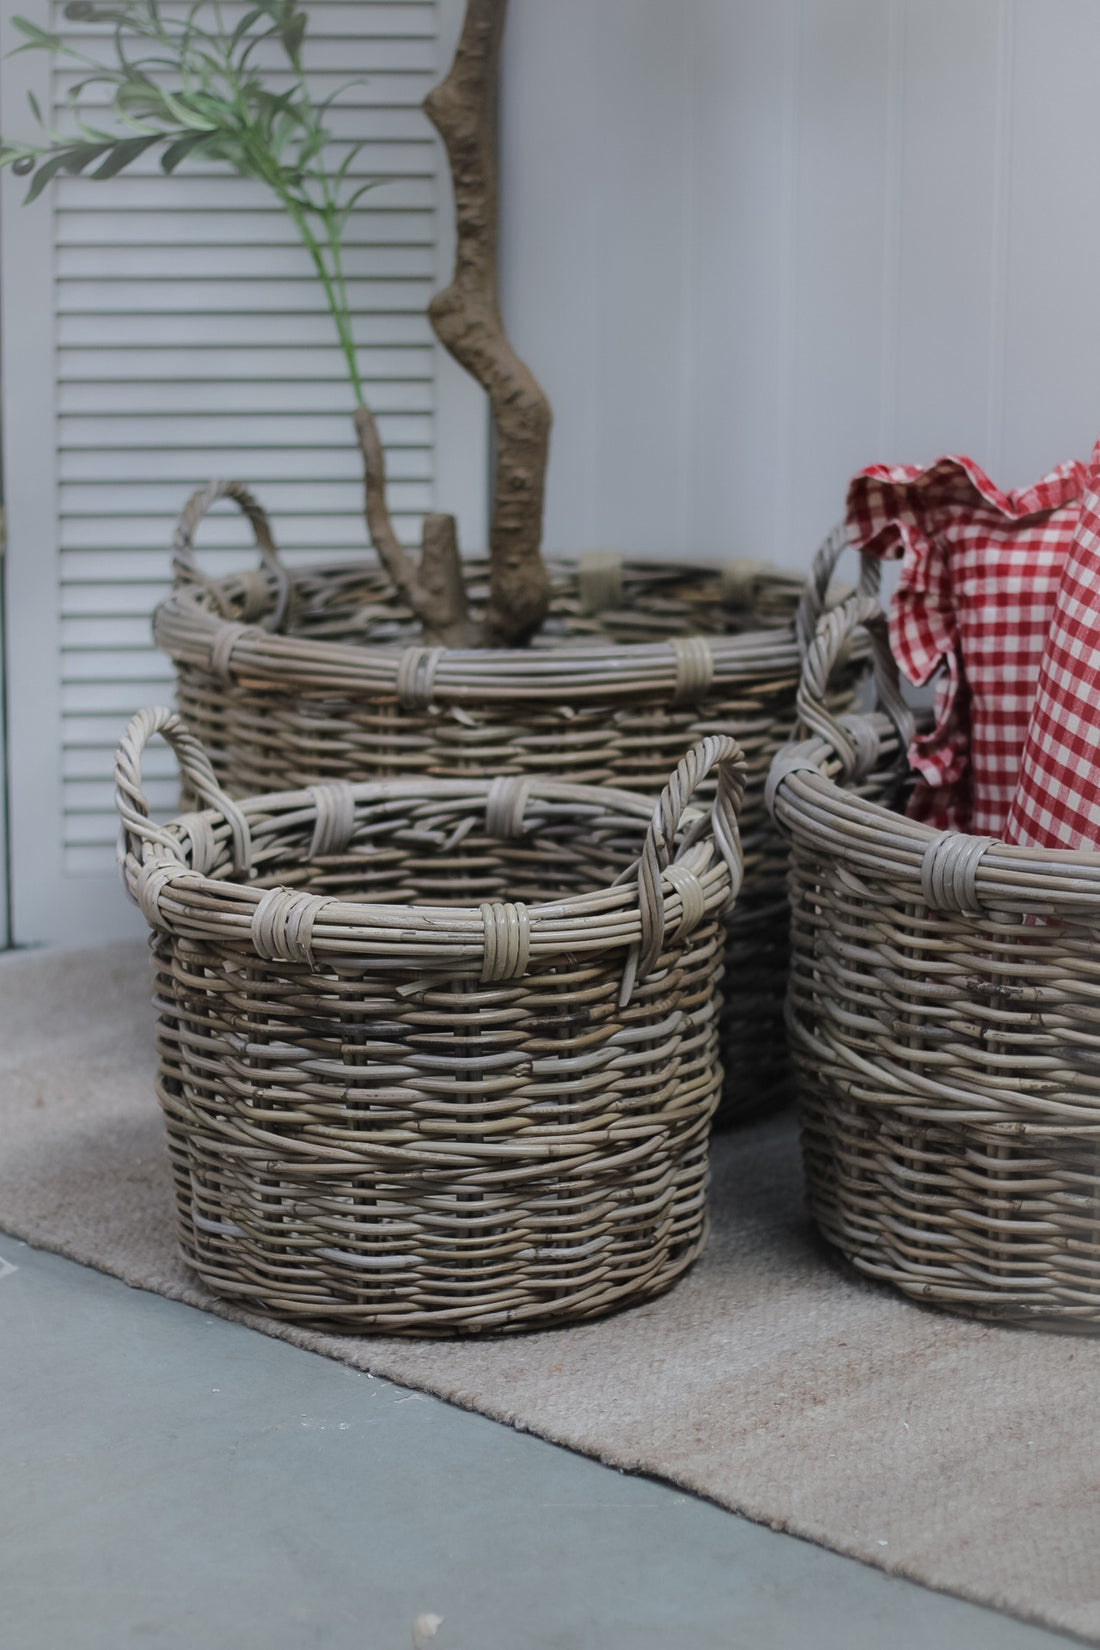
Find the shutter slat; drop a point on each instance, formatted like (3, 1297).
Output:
(282, 497)
(230, 432)
(162, 398)
(212, 192)
(283, 296)
(216, 370)
(374, 227)
(267, 332)
(190, 262)
(91, 546)
(325, 59)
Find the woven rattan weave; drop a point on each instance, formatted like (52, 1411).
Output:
(945, 1020)
(437, 1055)
(293, 677)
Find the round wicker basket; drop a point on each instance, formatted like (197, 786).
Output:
(437, 1056)
(944, 1014)
(292, 677)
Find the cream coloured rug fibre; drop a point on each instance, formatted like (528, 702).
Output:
(770, 1379)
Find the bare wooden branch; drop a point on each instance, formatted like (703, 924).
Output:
(467, 320)
(434, 589)
(445, 616)
(395, 558)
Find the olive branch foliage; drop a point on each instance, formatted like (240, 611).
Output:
(185, 82)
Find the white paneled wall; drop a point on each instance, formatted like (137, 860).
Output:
(750, 247)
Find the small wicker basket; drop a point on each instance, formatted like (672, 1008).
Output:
(288, 678)
(436, 1056)
(944, 1014)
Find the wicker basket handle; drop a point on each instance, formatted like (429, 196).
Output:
(717, 751)
(136, 828)
(848, 735)
(811, 605)
(183, 553)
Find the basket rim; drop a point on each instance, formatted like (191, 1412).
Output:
(165, 871)
(687, 668)
(420, 932)
(813, 797)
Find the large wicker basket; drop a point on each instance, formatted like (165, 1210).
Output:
(944, 1014)
(437, 1056)
(288, 678)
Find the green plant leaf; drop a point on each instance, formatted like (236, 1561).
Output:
(123, 153)
(35, 35)
(363, 189)
(243, 27)
(182, 147)
(44, 174)
(139, 97)
(83, 154)
(198, 110)
(83, 11)
(292, 35)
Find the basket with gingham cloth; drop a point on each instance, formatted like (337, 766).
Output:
(944, 1014)
(436, 1055)
(293, 676)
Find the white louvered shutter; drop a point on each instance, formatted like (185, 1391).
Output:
(159, 332)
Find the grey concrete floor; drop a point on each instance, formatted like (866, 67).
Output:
(171, 1480)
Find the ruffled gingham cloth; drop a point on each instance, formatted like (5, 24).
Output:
(981, 571)
(1057, 801)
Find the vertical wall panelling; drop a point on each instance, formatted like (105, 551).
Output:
(687, 227)
(162, 331)
(893, 219)
(1000, 251)
(744, 131)
(783, 455)
(595, 119)
(552, 167)
(842, 181)
(883, 214)
(944, 330)
(1051, 379)
(5, 858)
(643, 61)
(461, 453)
(30, 469)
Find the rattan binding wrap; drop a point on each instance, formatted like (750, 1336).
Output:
(944, 1014)
(293, 677)
(437, 1056)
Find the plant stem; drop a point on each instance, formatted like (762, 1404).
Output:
(335, 294)
(335, 289)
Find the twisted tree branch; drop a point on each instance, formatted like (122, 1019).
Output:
(467, 320)
(434, 588)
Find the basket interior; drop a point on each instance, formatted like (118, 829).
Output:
(438, 851)
(352, 602)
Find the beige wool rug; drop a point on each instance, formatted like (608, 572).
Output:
(771, 1379)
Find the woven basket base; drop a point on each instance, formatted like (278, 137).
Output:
(956, 1215)
(605, 1301)
(333, 1169)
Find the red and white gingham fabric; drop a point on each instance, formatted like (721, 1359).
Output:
(980, 573)
(1057, 802)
